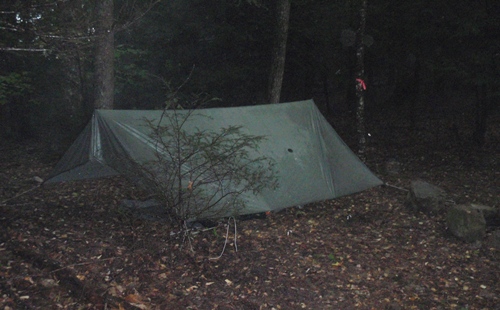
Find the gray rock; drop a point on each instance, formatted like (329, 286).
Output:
(466, 223)
(491, 214)
(426, 197)
(493, 240)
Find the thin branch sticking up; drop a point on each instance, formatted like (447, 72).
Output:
(227, 235)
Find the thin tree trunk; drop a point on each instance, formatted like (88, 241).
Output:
(279, 53)
(326, 93)
(104, 72)
(482, 113)
(360, 84)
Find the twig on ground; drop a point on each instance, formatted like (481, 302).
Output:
(20, 194)
(84, 263)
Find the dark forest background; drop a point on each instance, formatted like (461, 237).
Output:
(425, 60)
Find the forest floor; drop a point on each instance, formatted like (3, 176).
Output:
(70, 245)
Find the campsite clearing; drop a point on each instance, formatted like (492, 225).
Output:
(68, 246)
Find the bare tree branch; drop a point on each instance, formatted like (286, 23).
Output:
(19, 49)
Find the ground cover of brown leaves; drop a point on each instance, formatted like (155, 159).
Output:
(69, 246)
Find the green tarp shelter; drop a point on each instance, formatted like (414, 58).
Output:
(312, 161)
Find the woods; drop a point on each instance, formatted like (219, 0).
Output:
(410, 86)
(120, 54)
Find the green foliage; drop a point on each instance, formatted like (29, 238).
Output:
(203, 173)
(228, 43)
(332, 258)
(132, 79)
(14, 86)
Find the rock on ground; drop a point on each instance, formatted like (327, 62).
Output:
(466, 222)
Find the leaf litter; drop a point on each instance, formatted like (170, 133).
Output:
(70, 246)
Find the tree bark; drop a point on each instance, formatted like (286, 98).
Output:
(104, 59)
(483, 109)
(360, 85)
(279, 53)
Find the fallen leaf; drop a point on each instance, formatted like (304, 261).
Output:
(48, 283)
(140, 306)
(192, 288)
(163, 275)
(113, 292)
(29, 279)
(133, 298)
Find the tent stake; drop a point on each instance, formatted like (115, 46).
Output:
(396, 187)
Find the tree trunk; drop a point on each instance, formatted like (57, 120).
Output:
(326, 92)
(360, 84)
(279, 53)
(483, 106)
(104, 59)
